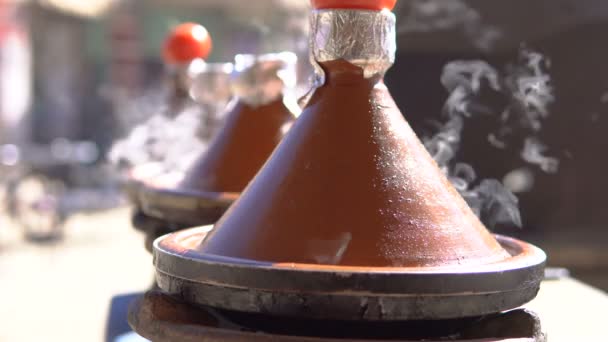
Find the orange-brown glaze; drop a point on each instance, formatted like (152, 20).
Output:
(244, 143)
(352, 185)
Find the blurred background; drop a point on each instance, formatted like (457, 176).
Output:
(526, 79)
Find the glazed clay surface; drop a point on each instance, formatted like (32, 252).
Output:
(244, 143)
(351, 184)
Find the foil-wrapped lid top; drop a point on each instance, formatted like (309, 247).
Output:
(374, 5)
(252, 126)
(186, 42)
(261, 79)
(211, 82)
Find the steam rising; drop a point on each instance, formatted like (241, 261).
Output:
(433, 15)
(518, 99)
(533, 154)
(529, 85)
(172, 141)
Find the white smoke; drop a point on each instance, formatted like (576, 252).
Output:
(182, 139)
(518, 99)
(533, 153)
(172, 141)
(530, 87)
(434, 15)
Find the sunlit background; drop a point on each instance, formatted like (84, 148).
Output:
(510, 97)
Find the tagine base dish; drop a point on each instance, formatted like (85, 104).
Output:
(159, 317)
(191, 208)
(342, 292)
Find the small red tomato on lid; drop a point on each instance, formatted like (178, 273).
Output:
(374, 5)
(187, 41)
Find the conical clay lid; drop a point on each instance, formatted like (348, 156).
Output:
(351, 184)
(244, 143)
(252, 128)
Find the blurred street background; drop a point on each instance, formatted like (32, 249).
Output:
(78, 76)
(62, 291)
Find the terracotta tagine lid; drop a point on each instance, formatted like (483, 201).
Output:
(352, 184)
(260, 115)
(251, 130)
(350, 218)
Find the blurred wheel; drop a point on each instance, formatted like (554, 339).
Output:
(36, 207)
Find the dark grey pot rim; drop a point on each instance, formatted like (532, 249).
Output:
(152, 192)
(173, 203)
(523, 270)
